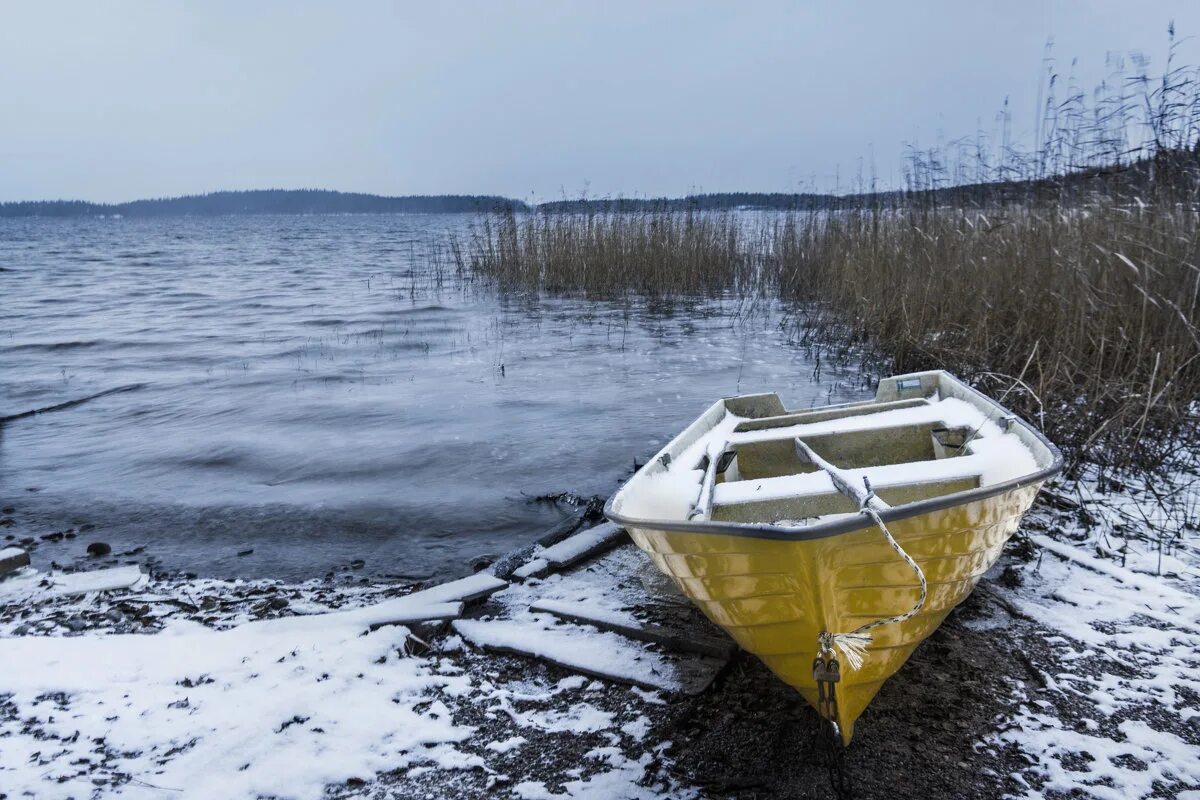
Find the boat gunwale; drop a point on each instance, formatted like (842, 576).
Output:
(838, 527)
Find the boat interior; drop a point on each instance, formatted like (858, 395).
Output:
(805, 467)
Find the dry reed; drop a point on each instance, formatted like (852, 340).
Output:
(612, 254)
(1086, 319)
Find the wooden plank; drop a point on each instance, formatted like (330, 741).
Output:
(439, 612)
(98, 580)
(12, 559)
(507, 564)
(534, 569)
(570, 551)
(464, 590)
(590, 614)
(589, 652)
(585, 545)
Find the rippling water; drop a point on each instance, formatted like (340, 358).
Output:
(318, 390)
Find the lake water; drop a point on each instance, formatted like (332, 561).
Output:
(326, 389)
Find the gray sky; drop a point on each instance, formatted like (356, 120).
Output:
(114, 101)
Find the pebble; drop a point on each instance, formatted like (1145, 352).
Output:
(96, 549)
(482, 562)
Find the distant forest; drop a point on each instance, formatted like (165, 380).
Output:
(725, 201)
(268, 201)
(1131, 178)
(313, 201)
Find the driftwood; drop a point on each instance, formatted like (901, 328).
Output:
(12, 559)
(584, 545)
(100, 580)
(644, 632)
(70, 403)
(507, 564)
(439, 612)
(576, 649)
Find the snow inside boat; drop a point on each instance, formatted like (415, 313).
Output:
(788, 527)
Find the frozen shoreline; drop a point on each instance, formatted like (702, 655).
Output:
(1082, 673)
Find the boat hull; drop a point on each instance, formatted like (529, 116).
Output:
(774, 596)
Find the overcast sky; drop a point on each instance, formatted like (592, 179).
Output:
(115, 101)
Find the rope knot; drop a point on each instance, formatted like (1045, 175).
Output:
(870, 494)
(853, 646)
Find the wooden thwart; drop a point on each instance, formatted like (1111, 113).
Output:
(826, 414)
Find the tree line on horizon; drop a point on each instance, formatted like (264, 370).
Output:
(317, 201)
(264, 201)
(1131, 177)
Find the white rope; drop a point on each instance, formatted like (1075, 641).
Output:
(853, 645)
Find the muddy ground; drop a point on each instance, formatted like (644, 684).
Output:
(751, 736)
(932, 732)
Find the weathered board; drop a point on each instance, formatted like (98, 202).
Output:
(584, 545)
(609, 614)
(12, 559)
(98, 580)
(626, 624)
(589, 652)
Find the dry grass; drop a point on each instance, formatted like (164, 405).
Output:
(612, 254)
(1086, 319)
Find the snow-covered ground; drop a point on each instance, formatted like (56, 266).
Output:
(251, 689)
(1116, 585)
(242, 689)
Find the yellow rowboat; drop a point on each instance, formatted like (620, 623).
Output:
(763, 518)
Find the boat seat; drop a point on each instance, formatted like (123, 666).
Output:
(873, 447)
(825, 414)
(805, 506)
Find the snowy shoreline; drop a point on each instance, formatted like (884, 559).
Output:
(188, 687)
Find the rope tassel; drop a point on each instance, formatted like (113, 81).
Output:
(852, 645)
